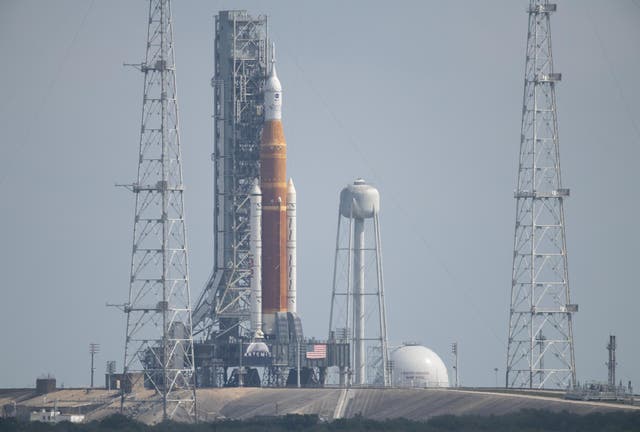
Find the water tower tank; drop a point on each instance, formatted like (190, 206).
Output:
(359, 200)
(418, 366)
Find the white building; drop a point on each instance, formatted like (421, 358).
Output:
(417, 366)
(54, 416)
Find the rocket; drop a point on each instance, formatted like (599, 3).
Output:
(276, 251)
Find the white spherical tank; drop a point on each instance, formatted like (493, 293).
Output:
(418, 366)
(359, 200)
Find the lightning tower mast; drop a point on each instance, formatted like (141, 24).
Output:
(159, 343)
(540, 351)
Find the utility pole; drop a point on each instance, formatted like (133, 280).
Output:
(159, 342)
(111, 370)
(540, 350)
(94, 348)
(454, 351)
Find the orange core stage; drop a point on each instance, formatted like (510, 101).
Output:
(273, 175)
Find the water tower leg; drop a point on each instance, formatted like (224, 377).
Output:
(358, 300)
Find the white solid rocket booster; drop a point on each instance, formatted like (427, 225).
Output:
(255, 246)
(291, 246)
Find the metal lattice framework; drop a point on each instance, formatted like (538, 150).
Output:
(159, 343)
(358, 315)
(241, 50)
(540, 350)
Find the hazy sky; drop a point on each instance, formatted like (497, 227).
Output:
(421, 98)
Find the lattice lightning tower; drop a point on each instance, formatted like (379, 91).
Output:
(159, 343)
(540, 346)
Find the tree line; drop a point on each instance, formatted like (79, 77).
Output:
(523, 421)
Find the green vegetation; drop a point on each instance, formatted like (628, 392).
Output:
(523, 421)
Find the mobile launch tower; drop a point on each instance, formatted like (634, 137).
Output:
(247, 314)
(241, 65)
(540, 345)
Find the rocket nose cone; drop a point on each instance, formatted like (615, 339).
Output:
(255, 190)
(291, 189)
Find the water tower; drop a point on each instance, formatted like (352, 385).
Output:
(357, 300)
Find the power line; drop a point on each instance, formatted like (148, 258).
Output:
(468, 294)
(612, 72)
(47, 93)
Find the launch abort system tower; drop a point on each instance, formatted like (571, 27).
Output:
(540, 346)
(159, 344)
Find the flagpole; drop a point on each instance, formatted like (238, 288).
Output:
(298, 363)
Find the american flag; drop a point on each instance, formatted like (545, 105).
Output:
(319, 351)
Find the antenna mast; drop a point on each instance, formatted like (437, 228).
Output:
(611, 364)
